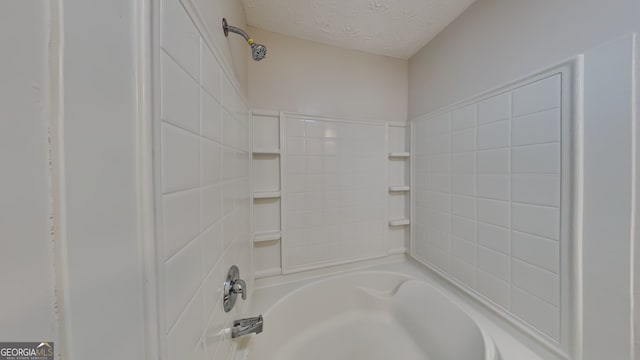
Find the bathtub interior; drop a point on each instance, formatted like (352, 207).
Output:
(369, 315)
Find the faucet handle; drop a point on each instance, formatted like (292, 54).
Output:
(239, 287)
(232, 287)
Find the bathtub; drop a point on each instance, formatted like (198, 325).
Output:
(372, 315)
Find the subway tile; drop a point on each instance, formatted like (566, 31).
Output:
(440, 258)
(463, 163)
(494, 212)
(494, 135)
(440, 221)
(314, 146)
(210, 72)
(440, 143)
(462, 184)
(228, 94)
(463, 206)
(180, 96)
(179, 37)
(493, 288)
(541, 315)
(463, 141)
(211, 240)
(536, 189)
(296, 201)
(296, 146)
(494, 263)
(180, 159)
(228, 196)
(212, 288)
(211, 203)
(537, 281)
(537, 220)
(494, 237)
(535, 250)
(539, 159)
(295, 127)
(228, 129)
(463, 250)
(494, 109)
(296, 165)
(440, 182)
(184, 338)
(541, 95)
(314, 129)
(214, 338)
(181, 219)
(211, 121)
(440, 125)
(493, 161)
(495, 186)
(183, 275)
(463, 228)
(440, 201)
(229, 164)
(463, 118)
(211, 162)
(440, 163)
(228, 235)
(441, 239)
(463, 272)
(542, 127)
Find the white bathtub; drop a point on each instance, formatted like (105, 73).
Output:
(372, 315)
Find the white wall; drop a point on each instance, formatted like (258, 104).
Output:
(307, 77)
(26, 260)
(96, 187)
(202, 178)
(496, 41)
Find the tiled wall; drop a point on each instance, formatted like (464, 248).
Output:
(203, 190)
(334, 192)
(487, 199)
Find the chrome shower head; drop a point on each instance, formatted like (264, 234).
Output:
(258, 51)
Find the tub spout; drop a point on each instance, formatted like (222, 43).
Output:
(247, 326)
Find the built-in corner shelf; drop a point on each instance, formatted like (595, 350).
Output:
(273, 152)
(266, 194)
(267, 236)
(399, 188)
(399, 155)
(399, 222)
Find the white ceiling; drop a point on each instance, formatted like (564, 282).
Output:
(397, 28)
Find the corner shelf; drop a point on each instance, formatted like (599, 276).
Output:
(266, 194)
(399, 222)
(273, 152)
(399, 188)
(267, 236)
(399, 155)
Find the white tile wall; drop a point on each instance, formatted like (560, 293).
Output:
(487, 199)
(340, 213)
(204, 190)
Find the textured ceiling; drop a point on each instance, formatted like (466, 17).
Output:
(397, 28)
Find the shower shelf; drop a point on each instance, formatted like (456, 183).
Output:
(399, 155)
(267, 236)
(399, 222)
(266, 152)
(266, 194)
(399, 188)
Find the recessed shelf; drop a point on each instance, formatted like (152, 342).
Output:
(267, 236)
(266, 194)
(399, 155)
(399, 222)
(398, 188)
(268, 272)
(266, 152)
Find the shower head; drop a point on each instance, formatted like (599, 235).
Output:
(258, 51)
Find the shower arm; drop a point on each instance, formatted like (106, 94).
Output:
(236, 30)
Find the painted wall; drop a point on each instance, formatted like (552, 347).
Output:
(202, 178)
(307, 77)
(99, 239)
(26, 260)
(496, 41)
